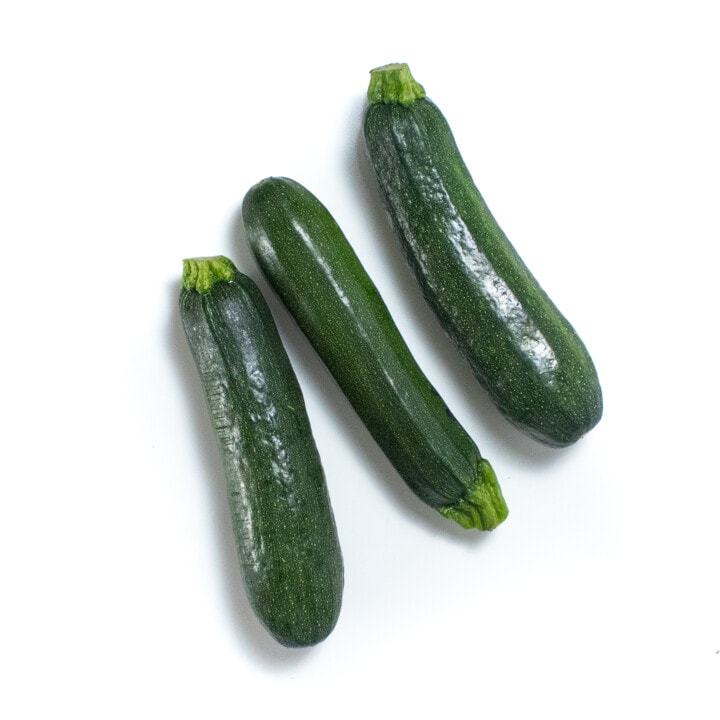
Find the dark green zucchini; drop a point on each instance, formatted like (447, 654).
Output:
(283, 523)
(520, 347)
(312, 267)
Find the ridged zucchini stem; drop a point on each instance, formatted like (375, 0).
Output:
(484, 507)
(394, 84)
(202, 273)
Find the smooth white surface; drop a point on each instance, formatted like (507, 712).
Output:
(130, 133)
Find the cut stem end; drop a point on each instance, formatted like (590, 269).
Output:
(484, 507)
(394, 83)
(202, 273)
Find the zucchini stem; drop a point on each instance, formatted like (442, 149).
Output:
(202, 273)
(484, 507)
(394, 84)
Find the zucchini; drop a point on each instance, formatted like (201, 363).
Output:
(310, 264)
(282, 520)
(519, 345)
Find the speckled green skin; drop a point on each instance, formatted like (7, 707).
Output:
(312, 267)
(283, 523)
(520, 347)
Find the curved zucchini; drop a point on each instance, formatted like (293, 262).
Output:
(283, 523)
(312, 267)
(520, 347)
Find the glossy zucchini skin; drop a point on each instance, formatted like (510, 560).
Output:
(310, 264)
(519, 345)
(283, 523)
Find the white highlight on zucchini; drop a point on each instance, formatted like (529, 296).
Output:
(526, 336)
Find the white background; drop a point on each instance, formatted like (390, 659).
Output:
(130, 132)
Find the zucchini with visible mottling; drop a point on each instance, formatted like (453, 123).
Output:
(310, 264)
(282, 519)
(519, 345)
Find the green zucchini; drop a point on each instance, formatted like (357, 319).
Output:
(282, 519)
(310, 264)
(519, 345)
